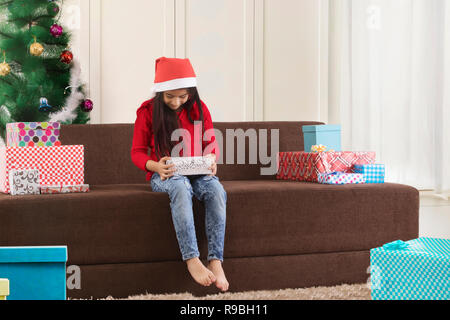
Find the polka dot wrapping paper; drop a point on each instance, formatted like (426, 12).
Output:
(57, 165)
(341, 178)
(33, 134)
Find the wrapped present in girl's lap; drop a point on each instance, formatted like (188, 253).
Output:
(191, 165)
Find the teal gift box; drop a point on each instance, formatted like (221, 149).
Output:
(328, 135)
(34, 273)
(413, 270)
(373, 173)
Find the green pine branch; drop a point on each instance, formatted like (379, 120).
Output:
(5, 3)
(5, 35)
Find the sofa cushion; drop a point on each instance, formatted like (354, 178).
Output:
(130, 223)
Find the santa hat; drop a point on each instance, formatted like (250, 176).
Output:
(173, 73)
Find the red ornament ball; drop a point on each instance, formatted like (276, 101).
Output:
(66, 57)
(87, 105)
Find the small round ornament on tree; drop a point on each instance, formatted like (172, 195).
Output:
(36, 49)
(87, 105)
(44, 106)
(5, 69)
(66, 57)
(56, 30)
(52, 9)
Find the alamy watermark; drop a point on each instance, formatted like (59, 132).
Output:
(258, 140)
(73, 281)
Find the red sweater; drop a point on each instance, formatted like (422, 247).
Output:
(143, 137)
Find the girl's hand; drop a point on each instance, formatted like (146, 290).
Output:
(213, 166)
(165, 171)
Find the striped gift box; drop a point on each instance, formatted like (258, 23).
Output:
(373, 173)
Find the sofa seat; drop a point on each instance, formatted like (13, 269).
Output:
(128, 223)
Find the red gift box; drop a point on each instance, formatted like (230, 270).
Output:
(64, 189)
(306, 166)
(57, 165)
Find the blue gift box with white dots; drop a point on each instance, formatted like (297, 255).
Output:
(412, 270)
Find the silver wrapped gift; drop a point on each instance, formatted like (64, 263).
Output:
(191, 165)
(24, 181)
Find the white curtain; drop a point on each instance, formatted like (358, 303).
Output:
(389, 84)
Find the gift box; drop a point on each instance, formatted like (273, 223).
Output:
(191, 165)
(373, 173)
(306, 166)
(65, 189)
(35, 273)
(4, 289)
(413, 270)
(328, 135)
(57, 165)
(32, 134)
(340, 178)
(24, 182)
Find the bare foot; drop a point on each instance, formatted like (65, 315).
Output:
(221, 281)
(199, 272)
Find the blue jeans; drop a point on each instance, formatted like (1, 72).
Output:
(207, 189)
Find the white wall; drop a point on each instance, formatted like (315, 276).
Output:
(254, 59)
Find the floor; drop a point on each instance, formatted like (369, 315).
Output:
(434, 216)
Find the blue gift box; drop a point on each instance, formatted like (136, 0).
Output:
(413, 270)
(328, 135)
(35, 273)
(373, 173)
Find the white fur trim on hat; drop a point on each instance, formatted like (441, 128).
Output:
(174, 84)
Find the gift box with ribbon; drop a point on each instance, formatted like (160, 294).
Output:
(341, 178)
(411, 270)
(327, 134)
(306, 166)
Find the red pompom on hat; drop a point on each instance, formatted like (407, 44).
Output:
(173, 73)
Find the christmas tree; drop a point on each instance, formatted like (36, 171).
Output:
(39, 77)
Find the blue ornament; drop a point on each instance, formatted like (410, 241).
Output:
(44, 105)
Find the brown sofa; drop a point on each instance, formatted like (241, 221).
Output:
(279, 234)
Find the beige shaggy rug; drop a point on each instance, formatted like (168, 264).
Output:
(341, 292)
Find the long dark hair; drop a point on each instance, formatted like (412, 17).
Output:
(165, 120)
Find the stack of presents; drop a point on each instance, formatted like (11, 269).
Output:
(35, 162)
(322, 161)
(418, 269)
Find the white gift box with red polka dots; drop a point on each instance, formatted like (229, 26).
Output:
(57, 165)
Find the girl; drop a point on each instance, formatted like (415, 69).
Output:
(176, 104)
